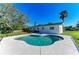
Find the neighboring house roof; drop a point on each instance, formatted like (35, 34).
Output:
(48, 24)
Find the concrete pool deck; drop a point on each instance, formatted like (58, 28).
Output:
(10, 46)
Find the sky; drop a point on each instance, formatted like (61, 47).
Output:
(43, 13)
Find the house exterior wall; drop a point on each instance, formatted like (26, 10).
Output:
(46, 29)
(60, 28)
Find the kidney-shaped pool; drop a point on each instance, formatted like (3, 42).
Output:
(38, 40)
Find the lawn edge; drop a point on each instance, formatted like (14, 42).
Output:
(74, 43)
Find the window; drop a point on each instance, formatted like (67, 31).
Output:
(42, 28)
(51, 28)
(37, 28)
(33, 28)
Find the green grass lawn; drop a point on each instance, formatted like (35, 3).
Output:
(74, 34)
(12, 34)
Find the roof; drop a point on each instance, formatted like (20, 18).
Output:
(48, 24)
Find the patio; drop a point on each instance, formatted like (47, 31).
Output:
(10, 46)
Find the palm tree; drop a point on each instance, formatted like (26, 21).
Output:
(63, 14)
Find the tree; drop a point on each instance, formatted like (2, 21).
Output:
(11, 18)
(63, 14)
(77, 25)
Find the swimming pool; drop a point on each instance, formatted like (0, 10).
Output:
(38, 40)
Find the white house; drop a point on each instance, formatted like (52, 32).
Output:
(50, 28)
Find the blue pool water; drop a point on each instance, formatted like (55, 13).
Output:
(38, 40)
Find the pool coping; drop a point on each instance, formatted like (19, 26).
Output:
(1, 39)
